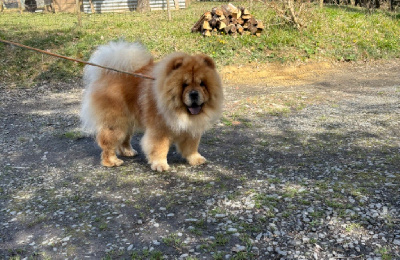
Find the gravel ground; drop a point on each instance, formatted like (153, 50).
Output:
(302, 171)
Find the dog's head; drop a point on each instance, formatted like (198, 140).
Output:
(189, 86)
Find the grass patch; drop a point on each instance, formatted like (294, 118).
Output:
(385, 253)
(145, 254)
(172, 240)
(265, 200)
(334, 33)
(335, 204)
(221, 239)
(73, 135)
(103, 226)
(37, 220)
(353, 227)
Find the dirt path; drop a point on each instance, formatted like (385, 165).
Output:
(304, 164)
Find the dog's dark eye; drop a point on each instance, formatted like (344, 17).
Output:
(202, 84)
(184, 85)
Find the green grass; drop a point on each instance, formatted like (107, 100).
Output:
(333, 33)
(172, 240)
(37, 220)
(353, 227)
(261, 200)
(145, 254)
(385, 253)
(73, 135)
(221, 239)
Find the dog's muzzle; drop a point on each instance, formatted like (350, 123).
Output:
(195, 107)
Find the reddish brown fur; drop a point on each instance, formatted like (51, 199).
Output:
(124, 103)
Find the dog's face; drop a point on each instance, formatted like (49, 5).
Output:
(193, 78)
(190, 90)
(195, 92)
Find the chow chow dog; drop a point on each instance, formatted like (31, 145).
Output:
(184, 99)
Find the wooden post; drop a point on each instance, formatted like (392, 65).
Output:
(91, 6)
(78, 11)
(1, 5)
(321, 3)
(169, 11)
(20, 6)
(55, 4)
(176, 4)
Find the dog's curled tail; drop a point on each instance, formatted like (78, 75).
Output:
(120, 55)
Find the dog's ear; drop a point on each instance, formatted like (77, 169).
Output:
(170, 64)
(207, 60)
(177, 63)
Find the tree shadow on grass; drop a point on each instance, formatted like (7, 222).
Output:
(37, 66)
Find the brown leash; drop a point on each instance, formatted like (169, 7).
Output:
(139, 75)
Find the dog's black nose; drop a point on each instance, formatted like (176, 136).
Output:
(194, 95)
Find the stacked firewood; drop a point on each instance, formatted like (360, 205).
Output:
(228, 19)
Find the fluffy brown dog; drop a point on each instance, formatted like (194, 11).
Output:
(182, 102)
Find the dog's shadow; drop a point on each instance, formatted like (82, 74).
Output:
(91, 152)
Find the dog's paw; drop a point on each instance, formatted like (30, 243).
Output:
(111, 161)
(196, 159)
(160, 166)
(127, 152)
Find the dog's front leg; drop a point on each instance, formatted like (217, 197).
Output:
(188, 146)
(156, 147)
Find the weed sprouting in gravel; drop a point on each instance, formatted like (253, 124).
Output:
(172, 240)
(221, 239)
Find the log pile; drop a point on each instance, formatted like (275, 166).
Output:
(228, 19)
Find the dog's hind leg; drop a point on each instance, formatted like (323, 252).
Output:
(125, 149)
(109, 139)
